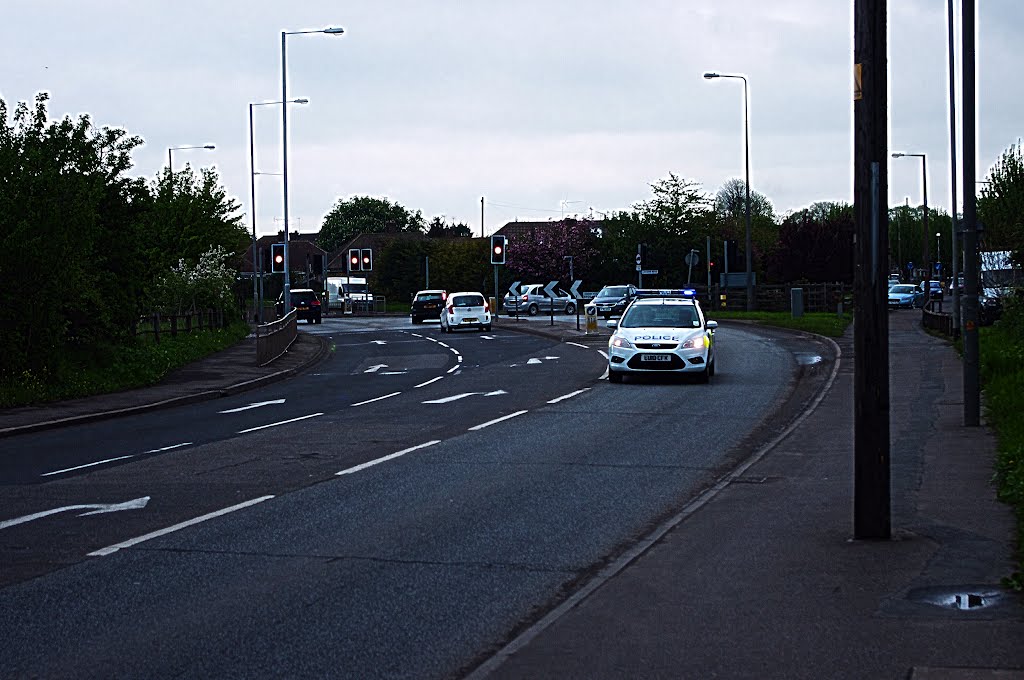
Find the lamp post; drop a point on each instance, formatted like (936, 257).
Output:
(257, 307)
(170, 159)
(746, 153)
(284, 149)
(938, 253)
(924, 227)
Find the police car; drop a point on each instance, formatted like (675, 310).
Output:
(662, 331)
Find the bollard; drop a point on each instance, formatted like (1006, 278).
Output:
(591, 311)
(797, 302)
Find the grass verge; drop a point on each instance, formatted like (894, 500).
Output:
(1002, 379)
(822, 323)
(112, 369)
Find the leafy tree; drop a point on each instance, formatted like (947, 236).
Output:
(207, 284)
(1001, 205)
(365, 215)
(813, 249)
(439, 229)
(677, 207)
(540, 256)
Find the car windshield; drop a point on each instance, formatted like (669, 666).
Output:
(902, 289)
(613, 292)
(468, 301)
(660, 316)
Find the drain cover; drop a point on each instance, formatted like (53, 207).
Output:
(963, 598)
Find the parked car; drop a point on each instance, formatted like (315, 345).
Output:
(306, 303)
(613, 300)
(532, 300)
(427, 304)
(466, 310)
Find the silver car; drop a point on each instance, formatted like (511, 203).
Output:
(532, 300)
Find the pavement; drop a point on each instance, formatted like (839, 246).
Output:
(759, 577)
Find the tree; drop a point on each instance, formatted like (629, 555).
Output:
(439, 229)
(1001, 205)
(540, 255)
(365, 215)
(678, 205)
(814, 250)
(731, 202)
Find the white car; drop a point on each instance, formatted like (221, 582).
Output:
(662, 331)
(466, 310)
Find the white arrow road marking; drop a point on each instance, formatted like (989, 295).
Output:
(396, 454)
(97, 508)
(374, 369)
(370, 401)
(487, 337)
(378, 342)
(283, 422)
(549, 358)
(79, 467)
(534, 361)
(255, 404)
(496, 420)
(568, 396)
(162, 532)
(432, 380)
(456, 397)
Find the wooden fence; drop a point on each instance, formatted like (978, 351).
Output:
(157, 324)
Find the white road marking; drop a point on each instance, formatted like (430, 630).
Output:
(549, 358)
(79, 467)
(605, 355)
(378, 342)
(453, 368)
(443, 344)
(181, 525)
(534, 361)
(172, 446)
(97, 509)
(283, 422)
(370, 401)
(432, 380)
(487, 337)
(392, 373)
(497, 420)
(568, 396)
(460, 358)
(371, 463)
(416, 335)
(576, 344)
(374, 369)
(454, 351)
(456, 397)
(255, 404)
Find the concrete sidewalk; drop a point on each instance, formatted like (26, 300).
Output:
(229, 371)
(762, 579)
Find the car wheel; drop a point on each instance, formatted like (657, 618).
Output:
(704, 376)
(711, 367)
(416, 321)
(614, 376)
(570, 308)
(487, 328)
(532, 310)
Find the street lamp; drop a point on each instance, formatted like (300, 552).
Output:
(924, 227)
(284, 149)
(746, 144)
(170, 161)
(938, 252)
(257, 307)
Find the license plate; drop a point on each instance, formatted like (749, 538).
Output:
(469, 319)
(655, 357)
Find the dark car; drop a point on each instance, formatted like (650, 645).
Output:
(306, 303)
(427, 304)
(613, 300)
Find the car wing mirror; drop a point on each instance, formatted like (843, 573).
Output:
(711, 325)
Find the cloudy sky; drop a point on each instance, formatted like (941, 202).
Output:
(540, 106)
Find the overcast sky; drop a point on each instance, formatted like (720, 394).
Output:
(540, 106)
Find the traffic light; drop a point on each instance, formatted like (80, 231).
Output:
(354, 260)
(367, 259)
(276, 258)
(498, 249)
(732, 256)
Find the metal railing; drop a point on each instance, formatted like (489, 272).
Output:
(273, 339)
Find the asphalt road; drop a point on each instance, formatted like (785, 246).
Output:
(482, 479)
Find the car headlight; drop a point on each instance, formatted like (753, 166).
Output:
(694, 343)
(619, 341)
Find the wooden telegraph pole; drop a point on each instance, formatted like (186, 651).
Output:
(871, 511)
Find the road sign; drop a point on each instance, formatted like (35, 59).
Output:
(574, 289)
(910, 266)
(514, 288)
(550, 289)
(639, 260)
(638, 267)
(691, 258)
(645, 272)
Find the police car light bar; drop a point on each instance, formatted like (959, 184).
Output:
(688, 293)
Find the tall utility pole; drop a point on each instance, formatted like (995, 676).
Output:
(952, 167)
(871, 494)
(481, 217)
(969, 303)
